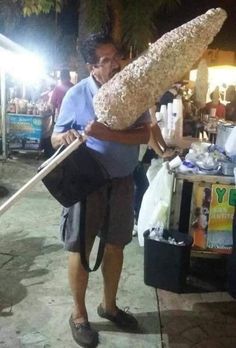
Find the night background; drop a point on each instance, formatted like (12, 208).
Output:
(54, 35)
(225, 40)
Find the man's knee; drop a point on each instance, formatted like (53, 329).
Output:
(113, 249)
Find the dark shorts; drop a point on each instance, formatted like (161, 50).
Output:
(120, 220)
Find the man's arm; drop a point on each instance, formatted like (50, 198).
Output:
(158, 144)
(157, 135)
(132, 136)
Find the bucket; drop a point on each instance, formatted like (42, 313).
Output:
(223, 132)
(166, 265)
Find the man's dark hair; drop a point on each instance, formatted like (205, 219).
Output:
(89, 46)
(65, 74)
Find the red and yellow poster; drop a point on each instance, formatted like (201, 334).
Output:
(219, 231)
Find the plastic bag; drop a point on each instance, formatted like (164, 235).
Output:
(155, 166)
(156, 202)
(230, 145)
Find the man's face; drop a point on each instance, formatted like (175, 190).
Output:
(108, 63)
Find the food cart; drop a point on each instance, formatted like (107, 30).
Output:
(22, 123)
(202, 205)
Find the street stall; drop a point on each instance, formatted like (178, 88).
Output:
(187, 211)
(201, 198)
(205, 188)
(203, 206)
(204, 196)
(24, 117)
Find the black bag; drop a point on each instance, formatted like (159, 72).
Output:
(78, 175)
(75, 177)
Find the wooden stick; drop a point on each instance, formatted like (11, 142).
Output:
(40, 175)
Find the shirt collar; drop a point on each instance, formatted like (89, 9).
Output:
(93, 85)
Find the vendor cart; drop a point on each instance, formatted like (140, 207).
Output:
(22, 123)
(203, 206)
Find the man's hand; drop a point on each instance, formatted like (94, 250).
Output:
(69, 136)
(66, 138)
(169, 154)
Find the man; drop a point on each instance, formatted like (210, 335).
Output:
(118, 152)
(170, 94)
(230, 108)
(215, 108)
(60, 91)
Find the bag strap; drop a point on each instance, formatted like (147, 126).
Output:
(82, 233)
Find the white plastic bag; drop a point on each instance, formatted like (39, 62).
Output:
(155, 166)
(230, 145)
(156, 202)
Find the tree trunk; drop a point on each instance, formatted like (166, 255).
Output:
(82, 34)
(116, 10)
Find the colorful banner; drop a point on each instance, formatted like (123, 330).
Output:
(219, 233)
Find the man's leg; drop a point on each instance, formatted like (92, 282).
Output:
(82, 332)
(78, 279)
(118, 235)
(111, 270)
(78, 276)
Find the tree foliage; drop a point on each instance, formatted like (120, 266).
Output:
(135, 19)
(130, 21)
(41, 6)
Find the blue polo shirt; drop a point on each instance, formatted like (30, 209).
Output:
(77, 111)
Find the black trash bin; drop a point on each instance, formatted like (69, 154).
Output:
(166, 265)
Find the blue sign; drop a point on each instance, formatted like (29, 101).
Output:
(25, 131)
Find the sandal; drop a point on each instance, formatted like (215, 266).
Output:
(83, 334)
(122, 319)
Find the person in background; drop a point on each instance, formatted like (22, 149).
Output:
(60, 91)
(230, 108)
(173, 92)
(215, 108)
(46, 95)
(117, 150)
(48, 123)
(192, 126)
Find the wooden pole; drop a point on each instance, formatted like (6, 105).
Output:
(52, 163)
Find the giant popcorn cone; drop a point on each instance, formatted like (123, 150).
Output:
(129, 93)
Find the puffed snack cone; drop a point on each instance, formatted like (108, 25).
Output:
(121, 100)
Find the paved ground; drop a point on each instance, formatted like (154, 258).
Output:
(35, 301)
